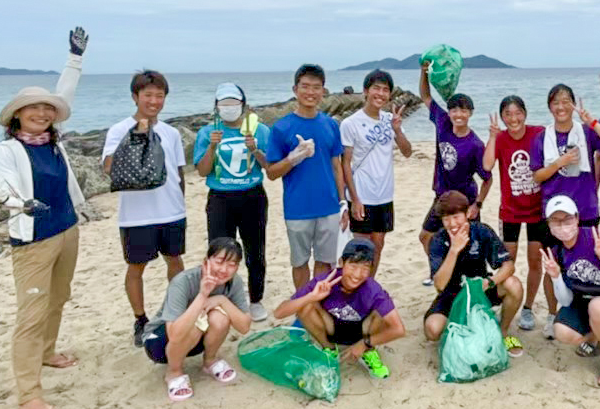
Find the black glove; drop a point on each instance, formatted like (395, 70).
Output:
(78, 41)
(34, 207)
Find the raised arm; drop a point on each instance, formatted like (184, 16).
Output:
(69, 78)
(489, 155)
(424, 89)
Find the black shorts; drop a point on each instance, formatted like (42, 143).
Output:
(443, 302)
(378, 219)
(346, 332)
(156, 345)
(433, 222)
(142, 244)
(510, 232)
(576, 316)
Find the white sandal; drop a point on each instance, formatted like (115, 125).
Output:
(219, 370)
(178, 384)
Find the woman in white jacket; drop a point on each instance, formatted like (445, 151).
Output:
(38, 185)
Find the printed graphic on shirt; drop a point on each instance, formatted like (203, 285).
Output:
(233, 157)
(584, 271)
(521, 176)
(449, 155)
(474, 250)
(380, 133)
(345, 314)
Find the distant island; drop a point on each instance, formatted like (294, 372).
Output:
(22, 71)
(412, 63)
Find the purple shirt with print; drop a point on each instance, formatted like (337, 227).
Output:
(579, 265)
(355, 306)
(582, 188)
(456, 159)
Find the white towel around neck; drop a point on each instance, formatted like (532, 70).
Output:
(576, 137)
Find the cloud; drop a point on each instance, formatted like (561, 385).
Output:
(553, 6)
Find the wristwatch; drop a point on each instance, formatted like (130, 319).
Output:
(479, 204)
(491, 283)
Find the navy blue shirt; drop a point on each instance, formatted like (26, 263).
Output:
(483, 246)
(50, 186)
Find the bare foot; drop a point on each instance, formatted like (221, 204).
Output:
(61, 361)
(37, 403)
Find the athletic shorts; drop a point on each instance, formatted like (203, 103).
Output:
(318, 235)
(433, 222)
(142, 244)
(510, 232)
(346, 332)
(378, 219)
(575, 316)
(443, 302)
(156, 345)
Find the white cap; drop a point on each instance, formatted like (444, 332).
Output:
(228, 90)
(561, 203)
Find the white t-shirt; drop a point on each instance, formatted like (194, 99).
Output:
(372, 155)
(164, 204)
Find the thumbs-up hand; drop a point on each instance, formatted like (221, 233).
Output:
(305, 149)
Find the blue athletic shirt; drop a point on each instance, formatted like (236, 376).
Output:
(309, 189)
(232, 158)
(50, 176)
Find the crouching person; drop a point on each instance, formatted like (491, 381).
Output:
(200, 306)
(463, 247)
(574, 266)
(348, 307)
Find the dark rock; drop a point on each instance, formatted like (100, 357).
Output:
(348, 90)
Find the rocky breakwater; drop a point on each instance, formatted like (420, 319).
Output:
(85, 150)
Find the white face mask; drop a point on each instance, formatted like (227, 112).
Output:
(564, 232)
(230, 113)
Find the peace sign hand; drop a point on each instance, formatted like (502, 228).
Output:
(584, 115)
(494, 127)
(323, 288)
(550, 265)
(397, 112)
(596, 241)
(208, 282)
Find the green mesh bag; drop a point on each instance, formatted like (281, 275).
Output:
(471, 347)
(445, 68)
(286, 356)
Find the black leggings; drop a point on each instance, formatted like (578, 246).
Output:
(246, 210)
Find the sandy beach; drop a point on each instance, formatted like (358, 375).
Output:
(97, 324)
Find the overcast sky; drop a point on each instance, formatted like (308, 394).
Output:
(279, 35)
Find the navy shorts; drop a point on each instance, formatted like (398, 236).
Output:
(433, 222)
(576, 316)
(142, 244)
(509, 232)
(443, 302)
(156, 345)
(378, 219)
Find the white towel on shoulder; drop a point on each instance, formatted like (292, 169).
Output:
(576, 137)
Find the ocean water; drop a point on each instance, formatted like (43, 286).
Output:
(103, 100)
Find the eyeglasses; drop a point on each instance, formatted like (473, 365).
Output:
(570, 219)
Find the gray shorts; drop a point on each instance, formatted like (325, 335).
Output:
(319, 234)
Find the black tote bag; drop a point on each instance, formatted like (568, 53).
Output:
(138, 162)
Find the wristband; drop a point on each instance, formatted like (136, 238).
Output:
(479, 204)
(594, 123)
(367, 341)
(491, 283)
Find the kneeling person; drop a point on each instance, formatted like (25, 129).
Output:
(463, 247)
(199, 307)
(348, 307)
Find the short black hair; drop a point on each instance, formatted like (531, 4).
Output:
(512, 99)
(313, 70)
(232, 249)
(558, 88)
(378, 75)
(461, 101)
(148, 77)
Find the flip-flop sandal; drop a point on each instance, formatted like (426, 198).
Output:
(177, 385)
(221, 371)
(67, 362)
(586, 350)
(513, 343)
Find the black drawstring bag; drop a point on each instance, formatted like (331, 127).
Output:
(138, 162)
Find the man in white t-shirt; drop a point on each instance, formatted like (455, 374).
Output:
(150, 221)
(368, 161)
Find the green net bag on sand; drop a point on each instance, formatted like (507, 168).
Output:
(471, 347)
(286, 356)
(445, 68)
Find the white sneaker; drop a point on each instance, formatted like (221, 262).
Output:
(258, 312)
(549, 327)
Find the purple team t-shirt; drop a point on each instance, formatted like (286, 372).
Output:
(580, 266)
(456, 159)
(582, 188)
(355, 306)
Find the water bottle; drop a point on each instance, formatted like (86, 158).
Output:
(573, 169)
